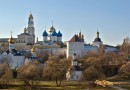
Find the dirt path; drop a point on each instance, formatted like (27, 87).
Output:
(117, 87)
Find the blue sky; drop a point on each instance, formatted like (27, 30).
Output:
(110, 17)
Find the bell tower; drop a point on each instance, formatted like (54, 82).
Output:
(30, 28)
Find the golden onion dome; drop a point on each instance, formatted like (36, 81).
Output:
(11, 40)
(30, 16)
(33, 50)
(51, 29)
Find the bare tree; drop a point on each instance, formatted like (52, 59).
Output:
(125, 70)
(5, 75)
(126, 47)
(29, 73)
(56, 68)
(43, 56)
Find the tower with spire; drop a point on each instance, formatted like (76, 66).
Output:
(30, 28)
(75, 46)
(11, 42)
(97, 42)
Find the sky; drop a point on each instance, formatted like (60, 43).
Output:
(110, 17)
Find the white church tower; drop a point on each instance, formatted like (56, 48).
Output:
(31, 29)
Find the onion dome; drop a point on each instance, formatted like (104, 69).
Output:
(59, 34)
(30, 16)
(11, 40)
(97, 39)
(54, 33)
(51, 29)
(45, 33)
(33, 50)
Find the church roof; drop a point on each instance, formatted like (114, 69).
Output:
(13, 51)
(25, 34)
(97, 40)
(77, 68)
(45, 33)
(18, 54)
(59, 34)
(75, 38)
(54, 33)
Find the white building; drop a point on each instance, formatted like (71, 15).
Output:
(24, 37)
(13, 57)
(16, 58)
(75, 45)
(74, 72)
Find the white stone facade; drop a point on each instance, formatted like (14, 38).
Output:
(24, 38)
(75, 47)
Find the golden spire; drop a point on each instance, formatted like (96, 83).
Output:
(33, 49)
(11, 40)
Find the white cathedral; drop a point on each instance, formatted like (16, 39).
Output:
(52, 36)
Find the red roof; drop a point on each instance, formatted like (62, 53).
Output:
(75, 38)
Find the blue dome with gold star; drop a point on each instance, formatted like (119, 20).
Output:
(59, 34)
(45, 33)
(54, 33)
